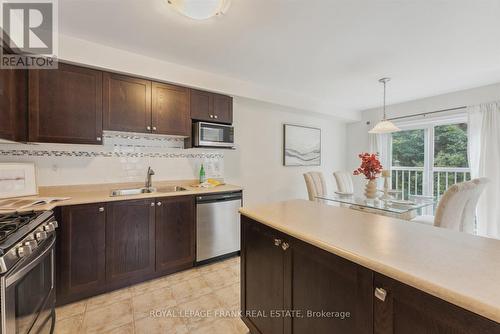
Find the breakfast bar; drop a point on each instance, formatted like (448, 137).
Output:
(337, 270)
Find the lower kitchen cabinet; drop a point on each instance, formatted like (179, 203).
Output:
(81, 251)
(130, 240)
(175, 233)
(407, 310)
(105, 246)
(280, 272)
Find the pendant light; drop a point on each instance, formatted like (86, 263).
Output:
(385, 125)
(200, 9)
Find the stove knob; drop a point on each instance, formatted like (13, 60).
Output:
(54, 222)
(49, 227)
(32, 243)
(23, 251)
(41, 236)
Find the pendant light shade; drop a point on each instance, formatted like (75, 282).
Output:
(200, 9)
(385, 125)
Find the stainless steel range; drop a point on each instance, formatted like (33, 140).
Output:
(27, 268)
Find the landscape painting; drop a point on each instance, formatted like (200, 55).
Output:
(302, 146)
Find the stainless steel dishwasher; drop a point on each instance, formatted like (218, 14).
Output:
(217, 225)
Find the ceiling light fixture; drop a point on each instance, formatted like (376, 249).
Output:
(200, 9)
(385, 125)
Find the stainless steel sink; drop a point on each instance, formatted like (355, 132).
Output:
(170, 189)
(138, 191)
(131, 191)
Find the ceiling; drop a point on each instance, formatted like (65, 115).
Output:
(333, 51)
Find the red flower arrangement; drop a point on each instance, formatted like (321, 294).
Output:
(370, 166)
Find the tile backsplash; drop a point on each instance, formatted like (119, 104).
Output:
(123, 157)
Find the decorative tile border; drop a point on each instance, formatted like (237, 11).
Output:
(116, 154)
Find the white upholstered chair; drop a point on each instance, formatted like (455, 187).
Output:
(344, 181)
(315, 183)
(457, 207)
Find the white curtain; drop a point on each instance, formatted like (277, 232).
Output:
(484, 161)
(379, 143)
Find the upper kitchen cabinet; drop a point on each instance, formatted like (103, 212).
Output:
(170, 114)
(127, 103)
(13, 105)
(65, 105)
(211, 107)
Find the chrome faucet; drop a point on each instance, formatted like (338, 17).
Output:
(149, 183)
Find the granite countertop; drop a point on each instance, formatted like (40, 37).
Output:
(460, 268)
(99, 193)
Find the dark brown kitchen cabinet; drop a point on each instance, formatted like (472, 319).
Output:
(175, 233)
(262, 277)
(81, 252)
(321, 281)
(406, 310)
(13, 104)
(211, 107)
(65, 105)
(127, 103)
(170, 110)
(282, 273)
(130, 241)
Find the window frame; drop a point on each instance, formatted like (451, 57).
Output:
(427, 124)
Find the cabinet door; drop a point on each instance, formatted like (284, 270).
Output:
(13, 106)
(262, 273)
(130, 241)
(407, 310)
(81, 252)
(127, 103)
(223, 108)
(171, 110)
(65, 105)
(320, 281)
(175, 233)
(201, 105)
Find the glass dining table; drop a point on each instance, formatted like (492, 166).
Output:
(406, 210)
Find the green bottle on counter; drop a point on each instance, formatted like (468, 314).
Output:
(202, 174)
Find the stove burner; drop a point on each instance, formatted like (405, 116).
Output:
(10, 223)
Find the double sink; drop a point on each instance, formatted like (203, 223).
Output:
(145, 190)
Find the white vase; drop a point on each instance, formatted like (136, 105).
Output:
(371, 189)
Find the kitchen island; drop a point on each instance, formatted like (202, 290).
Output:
(313, 268)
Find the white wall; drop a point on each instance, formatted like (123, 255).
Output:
(257, 163)
(357, 132)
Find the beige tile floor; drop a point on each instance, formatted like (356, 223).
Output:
(200, 300)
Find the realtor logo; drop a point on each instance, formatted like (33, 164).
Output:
(29, 33)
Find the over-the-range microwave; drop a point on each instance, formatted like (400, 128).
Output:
(213, 135)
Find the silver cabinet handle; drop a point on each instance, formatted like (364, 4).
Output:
(101, 209)
(159, 203)
(277, 242)
(215, 116)
(152, 203)
(99, 138)
(211, 116)
(380, 294)
(285, 246)
(154, 128)
(148, 128)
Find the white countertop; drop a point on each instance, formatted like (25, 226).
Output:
(460, 268)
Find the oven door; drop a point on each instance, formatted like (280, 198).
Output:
(214, 135)
(28, 295)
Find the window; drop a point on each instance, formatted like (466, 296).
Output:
(427, 158)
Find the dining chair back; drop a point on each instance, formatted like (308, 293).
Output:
(344, 181)
(315, 183)
(457, 207)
